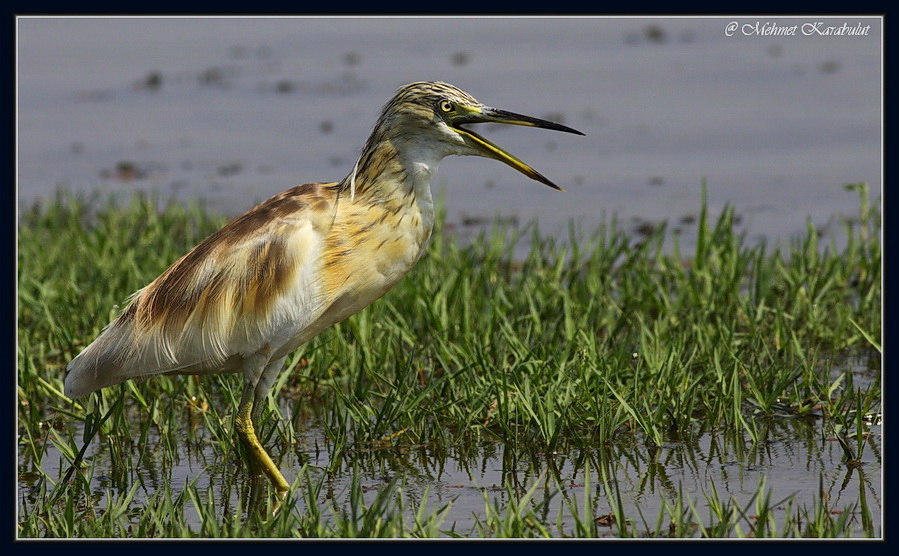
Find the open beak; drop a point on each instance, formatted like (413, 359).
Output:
(484, 114)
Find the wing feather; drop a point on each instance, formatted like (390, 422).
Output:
(251, 283)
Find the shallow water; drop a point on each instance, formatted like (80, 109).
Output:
(233, 110)
(795, 460)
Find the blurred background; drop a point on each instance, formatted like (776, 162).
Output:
(234, 110)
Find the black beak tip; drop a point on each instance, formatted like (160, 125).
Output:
(566, 129)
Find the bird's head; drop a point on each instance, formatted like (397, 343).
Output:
(433, 115)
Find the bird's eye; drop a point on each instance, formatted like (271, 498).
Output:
(446, 105)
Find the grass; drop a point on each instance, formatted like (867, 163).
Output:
(603, 348)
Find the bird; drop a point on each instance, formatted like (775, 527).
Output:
(276, 276)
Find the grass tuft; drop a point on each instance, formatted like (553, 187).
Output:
(595, 358)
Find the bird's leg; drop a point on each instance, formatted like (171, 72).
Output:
(253, 372)
(263, 387)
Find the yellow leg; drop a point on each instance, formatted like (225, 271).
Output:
(244, 425)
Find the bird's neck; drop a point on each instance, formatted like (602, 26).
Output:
(386, 173)
(388, 192)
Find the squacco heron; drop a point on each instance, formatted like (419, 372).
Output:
(251, 293)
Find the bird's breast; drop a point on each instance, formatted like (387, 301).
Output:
(370, 249)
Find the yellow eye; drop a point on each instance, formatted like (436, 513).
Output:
(446, 105)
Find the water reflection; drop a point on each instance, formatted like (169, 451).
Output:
(797, 464)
